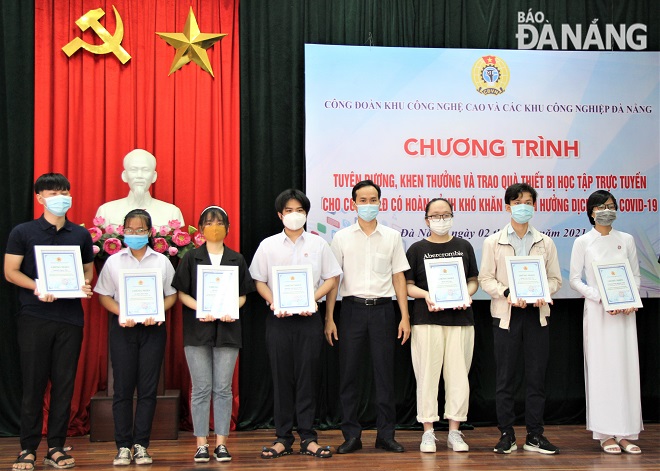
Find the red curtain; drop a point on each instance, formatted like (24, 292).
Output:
(90, 110)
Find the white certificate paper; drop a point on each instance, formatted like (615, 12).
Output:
(60, 271)
(446, 281)
(617, 286)
(141, 295)
(293, 289)
(217, 291)
(527, 278)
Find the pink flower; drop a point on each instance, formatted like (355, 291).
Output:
(164, 230)
(112, 245)
(98, 221)
(174, 223)
(172, 251)
(120, 229)
(160, 245)
(199, 239)
(154, 232)
(95, 249)
(181, 238)
(110, 229)
(96, 233)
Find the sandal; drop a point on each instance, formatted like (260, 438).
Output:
(612, 449)
(23, 458)
(321, 452)
(630, 448)
(55, 462)
(274, 453)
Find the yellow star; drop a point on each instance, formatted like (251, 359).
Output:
(191, 45)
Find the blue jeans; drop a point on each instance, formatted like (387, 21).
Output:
(211, 370)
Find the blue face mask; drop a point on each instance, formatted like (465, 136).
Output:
(136, 242)
(521, 213)
(58, 205)
(367, 212)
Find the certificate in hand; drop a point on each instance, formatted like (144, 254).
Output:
(293, 289)
(60, 271)
(446, 281)
(141, 295)
(217, 291)
(617, 286)
(527, 278)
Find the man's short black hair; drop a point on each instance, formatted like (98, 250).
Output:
(597, 198)
(291, 194)
(516, 190)
(362, 184)
(51, 181)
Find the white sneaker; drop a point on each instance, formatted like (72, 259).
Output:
(141, 455)
(428, 442)
(455, 441)
(123, 457)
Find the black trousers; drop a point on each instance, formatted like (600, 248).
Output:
(137, 355)
(360, 326)
(49, 350)
(294, 349)
(524, 330)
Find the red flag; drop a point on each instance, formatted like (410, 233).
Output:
(91, 109)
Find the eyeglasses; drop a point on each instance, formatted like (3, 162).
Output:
(440, 217)
(610, 206)
(136, 231)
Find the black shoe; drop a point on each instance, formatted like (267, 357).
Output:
(389, 444)
(506, 445)
(221, 453)
(539, 444)
(202, 455)
(349, 446)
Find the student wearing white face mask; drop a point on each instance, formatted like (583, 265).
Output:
(294, 342)
(442, 340)
(611, 361)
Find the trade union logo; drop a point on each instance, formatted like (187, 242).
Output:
(490, 75)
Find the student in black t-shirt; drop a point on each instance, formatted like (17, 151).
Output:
(211, 345)
(441, 339)
(50, 330)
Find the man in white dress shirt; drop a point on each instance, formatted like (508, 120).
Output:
(373, 260)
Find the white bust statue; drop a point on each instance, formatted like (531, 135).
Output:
(139, 172)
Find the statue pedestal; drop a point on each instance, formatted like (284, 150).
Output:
(166, 418)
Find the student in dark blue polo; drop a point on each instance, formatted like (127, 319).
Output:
(50, 330)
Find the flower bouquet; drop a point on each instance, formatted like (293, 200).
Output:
(170, 240)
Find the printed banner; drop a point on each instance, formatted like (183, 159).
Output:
(465, 124)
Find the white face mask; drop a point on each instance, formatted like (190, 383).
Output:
(441, 227)
(294, 221)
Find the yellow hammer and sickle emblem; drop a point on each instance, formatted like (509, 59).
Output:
(110, 43)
